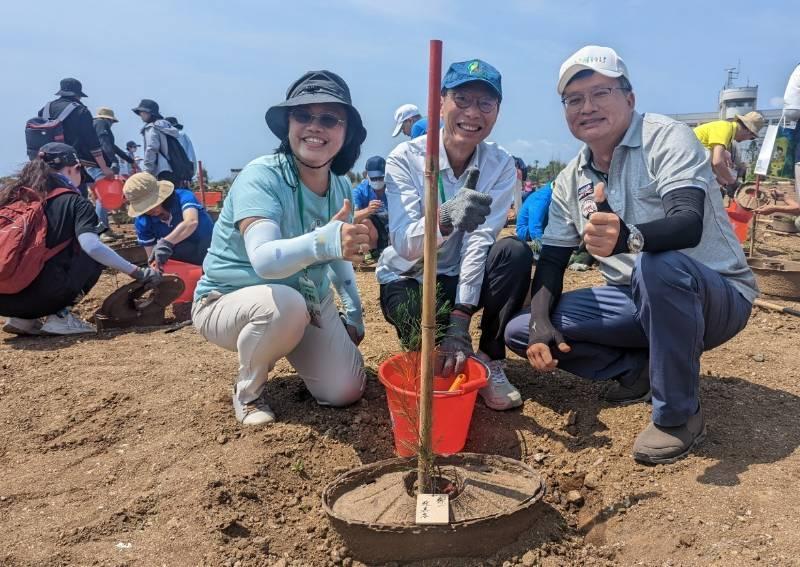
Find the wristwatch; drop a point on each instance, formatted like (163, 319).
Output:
(635, 240)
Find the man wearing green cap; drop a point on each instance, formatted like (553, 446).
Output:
(475, 270)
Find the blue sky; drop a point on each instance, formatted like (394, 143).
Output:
(219, 65)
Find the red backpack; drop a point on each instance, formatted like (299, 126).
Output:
(23, 252)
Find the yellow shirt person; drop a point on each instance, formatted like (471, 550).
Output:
(719, 132)
(718, 138)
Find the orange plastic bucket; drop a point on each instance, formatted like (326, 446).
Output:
(213, 198)
(109, 191)
(452, 411)
(739, 218)
(189, 273)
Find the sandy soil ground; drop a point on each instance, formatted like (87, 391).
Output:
(122, 449)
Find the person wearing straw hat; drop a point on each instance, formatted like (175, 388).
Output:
(642, 197)
(77, 256)
(475, 270)
(170, 222)
(718, 138)
(284, 236)
(104, 119)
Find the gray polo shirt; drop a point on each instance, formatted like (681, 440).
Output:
(656, 155)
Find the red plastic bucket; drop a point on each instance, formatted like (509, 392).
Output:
(739, 218)
(213, 198)
(109, 191)
(452, 411)
(189, 273)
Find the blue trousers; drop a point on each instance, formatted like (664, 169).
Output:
(673, 311)
(192, 251)
(102, 213)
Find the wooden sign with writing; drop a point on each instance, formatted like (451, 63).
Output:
(433, 509)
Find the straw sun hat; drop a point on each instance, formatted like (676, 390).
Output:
(105, 112)
(753, 121)
(144, 192)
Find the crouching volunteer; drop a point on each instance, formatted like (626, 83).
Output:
(677, 280)
(475, 270)
(284, 235)
(38, 302)
(369, 200)
(170, 222)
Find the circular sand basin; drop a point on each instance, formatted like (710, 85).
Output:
(374, 507)
(779, 278)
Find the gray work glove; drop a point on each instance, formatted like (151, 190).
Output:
(455, 347)
(161, 252)
(148, 276)
(467, 210)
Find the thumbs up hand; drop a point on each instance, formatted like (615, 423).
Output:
(603, 229)
(344, 213)
(355, 237)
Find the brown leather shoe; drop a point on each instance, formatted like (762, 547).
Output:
(658, 445)
(623, 392)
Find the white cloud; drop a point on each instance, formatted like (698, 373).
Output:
(776, 102)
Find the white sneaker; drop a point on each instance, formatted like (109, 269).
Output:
(499, 394)
(65, 323)
(256, 412)
(18, 326)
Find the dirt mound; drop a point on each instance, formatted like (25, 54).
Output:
(122, 449)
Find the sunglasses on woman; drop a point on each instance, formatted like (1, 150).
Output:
(325, 119)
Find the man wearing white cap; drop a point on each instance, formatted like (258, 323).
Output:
(642, 196)
(404, 118)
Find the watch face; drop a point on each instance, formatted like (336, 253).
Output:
(635, 241)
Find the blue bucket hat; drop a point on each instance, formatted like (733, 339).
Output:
(473, 70)
(376, 166)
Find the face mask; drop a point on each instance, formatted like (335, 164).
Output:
(377, 185)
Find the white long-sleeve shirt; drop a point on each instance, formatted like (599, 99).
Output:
(459, 254)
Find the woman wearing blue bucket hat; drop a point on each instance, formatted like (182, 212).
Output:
(285, 234)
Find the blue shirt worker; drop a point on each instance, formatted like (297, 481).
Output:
(170, 223)
(677, 280)
(532, 218)
(371, 207)
(475, 270)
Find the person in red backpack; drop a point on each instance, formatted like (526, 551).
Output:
(74, 258)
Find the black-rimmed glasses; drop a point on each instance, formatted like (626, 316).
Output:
(486, 104)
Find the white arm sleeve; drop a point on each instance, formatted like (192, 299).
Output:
(90, 243)
(274, 257)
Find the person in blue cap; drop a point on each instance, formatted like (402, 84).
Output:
(369, 201)
(474, 270)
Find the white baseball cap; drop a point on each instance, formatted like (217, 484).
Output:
(402, 114)
(603, 60)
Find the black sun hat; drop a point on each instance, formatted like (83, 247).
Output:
(148, 105)
(71, 87)
(316, 87)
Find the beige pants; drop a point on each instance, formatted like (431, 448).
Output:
(264, 323)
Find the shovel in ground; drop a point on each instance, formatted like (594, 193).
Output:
(133, 305)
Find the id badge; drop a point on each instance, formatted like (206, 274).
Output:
(309, 292)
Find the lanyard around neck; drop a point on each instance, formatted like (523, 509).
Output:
(301, 203)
